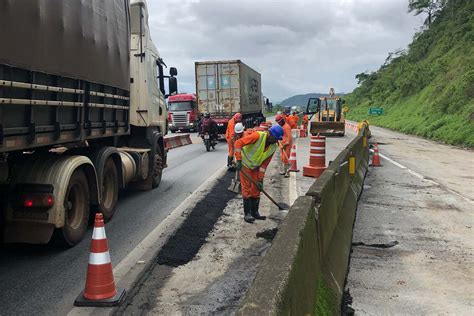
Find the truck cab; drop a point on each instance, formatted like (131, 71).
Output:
(147, 91)
(182, 112)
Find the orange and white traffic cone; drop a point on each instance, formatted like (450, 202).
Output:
(100, 287)
(302, 132)
(376, 157)
(317, 157)
(292, 160)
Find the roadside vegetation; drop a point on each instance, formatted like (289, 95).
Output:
(427, 89)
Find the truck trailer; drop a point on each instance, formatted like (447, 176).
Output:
(224, 88)
(82, 114)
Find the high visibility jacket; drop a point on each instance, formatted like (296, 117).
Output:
(251, 149)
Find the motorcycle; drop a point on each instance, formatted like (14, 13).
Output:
(208, 141)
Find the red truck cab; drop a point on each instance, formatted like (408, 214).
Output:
(182, 112)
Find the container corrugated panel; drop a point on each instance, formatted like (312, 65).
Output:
(225, 87)
(87, 40)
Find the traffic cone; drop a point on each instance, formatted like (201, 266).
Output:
(292, 160)
(100, 285)
(302, 132)
(317, 157)
(264, 126)
(376, 157)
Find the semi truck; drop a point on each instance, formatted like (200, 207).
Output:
(182, 112)
(82, 114)
(224, 88)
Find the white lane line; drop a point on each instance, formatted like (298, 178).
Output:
(423, 178)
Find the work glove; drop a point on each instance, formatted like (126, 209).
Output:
(260, 185)
(238, 165)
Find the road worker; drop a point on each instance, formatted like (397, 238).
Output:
(253, 153)
(229, 137)
(305, 122)
(285, 145)
(293, 119)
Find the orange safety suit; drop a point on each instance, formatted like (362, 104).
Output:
(229, 136)
(305, 122)
(292, 120)
(250, 190)
(287, 139)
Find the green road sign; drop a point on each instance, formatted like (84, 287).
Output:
(375, 111)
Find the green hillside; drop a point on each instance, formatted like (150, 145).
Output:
(427, 90)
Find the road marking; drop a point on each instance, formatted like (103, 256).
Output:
(423, 178)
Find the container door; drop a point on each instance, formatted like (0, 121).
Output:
(228, 88)
(206, 82)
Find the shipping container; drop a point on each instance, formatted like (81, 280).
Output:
(224, 88)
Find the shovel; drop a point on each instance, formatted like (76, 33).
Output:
(235, 184)
(281, 206)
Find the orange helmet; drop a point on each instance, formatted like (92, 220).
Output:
(278, 118)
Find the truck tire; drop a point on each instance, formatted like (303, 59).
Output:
(110, 190)
(158, 169)
(76, 210)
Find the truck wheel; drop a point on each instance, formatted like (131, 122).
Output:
(157, 170)
(76, 209)
(110, 188)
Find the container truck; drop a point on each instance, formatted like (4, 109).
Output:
(182, 112)
(82, 113)
(224, 88)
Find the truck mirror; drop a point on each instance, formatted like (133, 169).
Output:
(173, 71)
(172, 85)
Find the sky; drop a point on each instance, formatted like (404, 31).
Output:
(298, 46)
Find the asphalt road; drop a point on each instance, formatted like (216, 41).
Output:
(421, 198)
(40, 280)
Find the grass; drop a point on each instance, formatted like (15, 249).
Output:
(325, 299)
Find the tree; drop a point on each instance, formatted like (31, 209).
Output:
(430, 7)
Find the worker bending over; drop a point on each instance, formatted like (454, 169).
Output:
(253, 153)
(285, 145)
(229, 137)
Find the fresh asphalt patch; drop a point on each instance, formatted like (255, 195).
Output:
(188, 239)
(180, 248)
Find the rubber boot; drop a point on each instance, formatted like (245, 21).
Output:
(247, 217)
(287, 170)
(255, 203)
(229, 161)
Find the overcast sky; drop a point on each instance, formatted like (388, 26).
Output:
(297, 46)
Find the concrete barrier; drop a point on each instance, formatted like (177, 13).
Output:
(304, 271)
(177, 141)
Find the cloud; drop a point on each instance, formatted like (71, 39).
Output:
(297, 46)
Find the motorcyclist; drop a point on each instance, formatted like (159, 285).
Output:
(208, 125)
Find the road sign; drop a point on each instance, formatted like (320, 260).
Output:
(375, 111)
